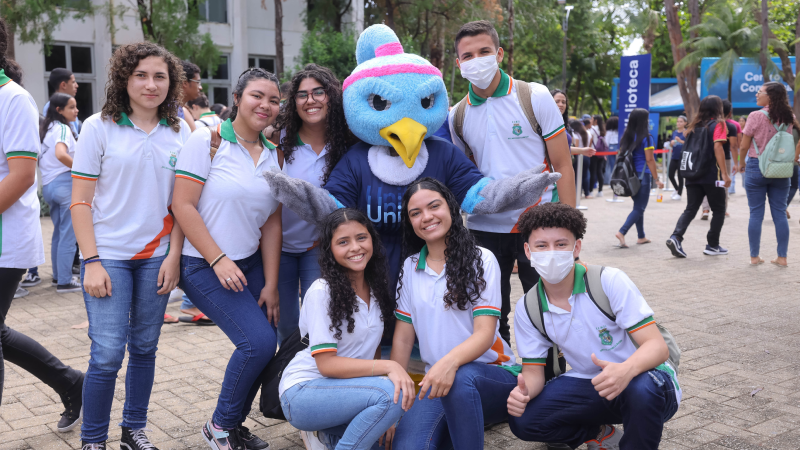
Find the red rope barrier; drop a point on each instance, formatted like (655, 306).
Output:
(614, 153)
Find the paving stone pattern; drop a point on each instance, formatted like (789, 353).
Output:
(736, 324)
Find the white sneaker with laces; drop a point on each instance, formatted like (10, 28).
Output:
(609, 441)
(73, 286)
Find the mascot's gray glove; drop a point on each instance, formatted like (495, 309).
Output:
(522, 190)
(311, 203)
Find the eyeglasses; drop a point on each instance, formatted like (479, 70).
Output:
(195, 81)
(317, 93)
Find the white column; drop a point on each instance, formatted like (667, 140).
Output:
(239, 50)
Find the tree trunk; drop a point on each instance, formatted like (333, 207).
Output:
(649, 35)
(730, 86)
(390, 14)
(279, 38)
(12, 30)
(786, 64)
(695, 20)
(147, 23)
(577, 94)
(686, 85)
(764, 40)
(599, 106)
(511, 38)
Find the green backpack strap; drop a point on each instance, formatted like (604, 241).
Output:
(533, 306)
(458, 123)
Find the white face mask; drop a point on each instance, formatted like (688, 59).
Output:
(553, 265)
(480, 71)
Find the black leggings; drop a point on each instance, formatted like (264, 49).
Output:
(24, 351)
(674, 165)
(596, 174)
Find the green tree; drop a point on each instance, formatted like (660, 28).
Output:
(326, 47)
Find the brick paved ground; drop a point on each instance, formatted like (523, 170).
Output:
(736, 325)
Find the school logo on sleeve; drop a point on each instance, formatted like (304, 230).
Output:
(605, 336)
(516, 128)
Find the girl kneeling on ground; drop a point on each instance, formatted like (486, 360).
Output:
(331, 386)
(449, 297)
(232, 252)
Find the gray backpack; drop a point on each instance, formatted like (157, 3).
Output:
(594, 288)
(777, 158)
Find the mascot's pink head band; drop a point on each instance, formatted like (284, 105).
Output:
(387, 70)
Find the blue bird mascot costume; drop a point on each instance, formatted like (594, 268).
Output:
(394, 102)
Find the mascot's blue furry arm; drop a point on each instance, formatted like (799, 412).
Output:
(394, 102)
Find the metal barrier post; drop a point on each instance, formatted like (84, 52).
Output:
(667, 158)
(579, 174)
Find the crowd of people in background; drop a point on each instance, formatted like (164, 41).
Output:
(161, 196)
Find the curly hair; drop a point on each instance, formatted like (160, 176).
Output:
(9, 66)
(120, 68)
(337, 133)
(343, 296)
(552, 215)
(464, 267)
(779, 110)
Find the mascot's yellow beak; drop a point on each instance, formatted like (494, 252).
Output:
(406, 137)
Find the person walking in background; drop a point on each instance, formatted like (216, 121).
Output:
(561, 101)
(731, 142)
(759, 129)
(58, 149)
(21, 236)
(201, 112)
(638, 140)
(192, 87)
(598, 133)
(612, 139)
(313, 136)
(705, 186)
(582, 139)
(677, 140)
(62, 81)
(727, 109)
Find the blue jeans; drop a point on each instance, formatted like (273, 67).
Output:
(245, 323)
(351, 413)
(793, 186)
(758, 190)
(612, 159)
(186, 303)
(58, 195)
(569, 410)
(131, 316)
(298, 271)
(639, 204)
(477, 398)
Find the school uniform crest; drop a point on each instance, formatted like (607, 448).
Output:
(173, 159)
(605, 336)
(516, 128)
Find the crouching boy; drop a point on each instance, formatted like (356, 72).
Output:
(611, 381)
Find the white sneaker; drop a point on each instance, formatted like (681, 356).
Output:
(675, 196)
(74, 285)
(599, 193)
(21, 292)
(311, 441)
(610, 441)
(175, 295)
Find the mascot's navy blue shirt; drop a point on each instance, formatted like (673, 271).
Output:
(355, 186)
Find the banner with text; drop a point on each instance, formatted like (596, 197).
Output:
(745, 80)
(634, 86)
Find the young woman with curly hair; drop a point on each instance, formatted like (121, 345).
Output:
(232, 251)
(759, 129)
(331, 387)
(449, 298)
(313, 136)
(122, 180)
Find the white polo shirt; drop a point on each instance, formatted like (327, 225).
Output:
(439, 329)
(21, 244)
(299, 235)
(135, 174)
(236, 200)
(585, 329)
(209, 119)
(49, 164)
(504, 144)
(315, 321)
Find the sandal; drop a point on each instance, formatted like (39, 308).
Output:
(199, 319)
(169, 319)
(760, 261)
(782, 266)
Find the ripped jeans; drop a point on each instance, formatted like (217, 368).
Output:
(570, 410)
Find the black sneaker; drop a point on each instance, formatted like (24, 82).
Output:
(675, 247)
(93, 446)
(135, 440)
(250, 440)
(73, 286)
(73, 407)
(30, 280)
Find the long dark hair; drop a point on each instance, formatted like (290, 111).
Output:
(601, 125)
(636, 131)
(337, 134)
(565, 116)
(343, 297)
(58, 100)
(464, 267)
(710, 109)
(612, 124)
(779, 110)
(11, 69)
(254, 73)
(577, 126)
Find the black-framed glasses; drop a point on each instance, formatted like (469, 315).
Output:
(317, 93)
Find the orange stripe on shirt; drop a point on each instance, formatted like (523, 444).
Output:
(317, 352)
(151, 247)
(187, 178)
(20, 157)
(643, 326)
(559, 132)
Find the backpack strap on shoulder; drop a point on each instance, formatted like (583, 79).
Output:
(533, 307)
(216, 141)
(524, 98)
(594, 287)
(458, 123)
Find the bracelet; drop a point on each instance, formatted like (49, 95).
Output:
(81, 203)
(91, 257)
(222, 255)
(90, 261)
(373, 368)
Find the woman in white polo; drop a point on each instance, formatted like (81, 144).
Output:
(231, 256)
(449, 298)
(122, 179)
(314, 137)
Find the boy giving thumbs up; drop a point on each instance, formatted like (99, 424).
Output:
(611, 381)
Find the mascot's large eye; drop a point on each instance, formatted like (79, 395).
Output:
(379, 103)
(427, 102)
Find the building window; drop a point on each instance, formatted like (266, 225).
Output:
(78, 59)
(218, 85)
(214, 11)
(265, 62)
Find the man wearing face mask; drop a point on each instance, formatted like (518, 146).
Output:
(495, 132)
(612, 380)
